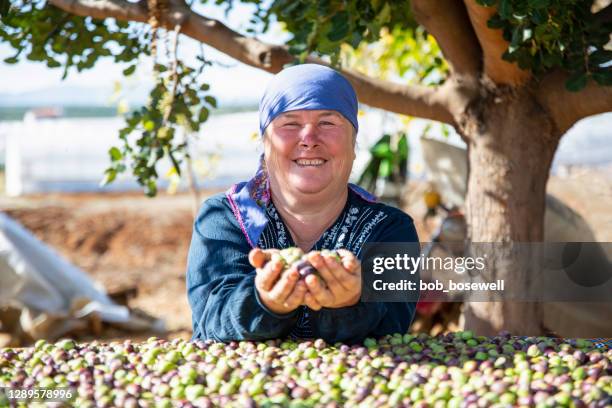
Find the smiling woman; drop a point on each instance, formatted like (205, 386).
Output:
(300, 196)
(311, 152)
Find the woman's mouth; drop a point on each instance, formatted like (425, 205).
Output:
(310, 162)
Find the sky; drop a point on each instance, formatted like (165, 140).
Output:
(234, 82)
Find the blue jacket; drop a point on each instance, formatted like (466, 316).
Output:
(221, 288)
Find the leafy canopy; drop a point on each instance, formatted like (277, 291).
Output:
(541, 34)
(545, 34)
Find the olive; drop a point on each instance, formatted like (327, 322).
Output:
(459, 369)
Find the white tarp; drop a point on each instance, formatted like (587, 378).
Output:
(37, 280)
(447, 168)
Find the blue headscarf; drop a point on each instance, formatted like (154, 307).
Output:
(300, 87)
(307, 87)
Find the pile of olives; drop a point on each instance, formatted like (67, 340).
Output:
(289, 257)
(452, 370)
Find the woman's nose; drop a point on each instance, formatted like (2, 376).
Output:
(308, 136)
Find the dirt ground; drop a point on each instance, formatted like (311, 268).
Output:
(124, 241)
(130, 242)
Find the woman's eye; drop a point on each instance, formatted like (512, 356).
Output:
(291, 124)
(327, 123)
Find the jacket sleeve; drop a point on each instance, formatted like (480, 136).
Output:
(371, 319)
(221, 283)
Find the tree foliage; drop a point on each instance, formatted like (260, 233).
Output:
(545, 34)
(407, 54)
(175, 102)
(321, 27)
(541, 35)
(38, 31)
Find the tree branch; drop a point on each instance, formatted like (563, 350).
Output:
(449, 23)
(408, 100)
(121, 10)
(493, 46)
(420, 101)
(248, 50)
(424, 102)
(566, 107)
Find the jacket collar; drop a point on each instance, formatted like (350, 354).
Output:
(249, 200)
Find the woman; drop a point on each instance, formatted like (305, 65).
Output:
(300, 197)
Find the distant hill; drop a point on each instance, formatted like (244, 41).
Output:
(80, 101)
(17, 112)
(67, 96)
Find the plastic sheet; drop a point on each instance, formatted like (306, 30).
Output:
(55, 296)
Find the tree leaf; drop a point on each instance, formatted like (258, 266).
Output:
(115, 154)
(211, 101)
(576, 82)
(151, 188)
(109, 177)
(129, 70)
(160, 68)
(538, 3)
(505, 9)
(203, 115)
(495, 22)
(539, 16)
(385, 14)
(149, 125)
(517, 35)
(340, 27)
(5, 5)
(603, 78)
(523, 58)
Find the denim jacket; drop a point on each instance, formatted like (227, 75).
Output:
(221, 282)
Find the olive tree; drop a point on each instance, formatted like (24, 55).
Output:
(511, 76)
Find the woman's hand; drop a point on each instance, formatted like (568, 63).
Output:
(342, 286)
(279, 292)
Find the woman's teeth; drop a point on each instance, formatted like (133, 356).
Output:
(315, 162)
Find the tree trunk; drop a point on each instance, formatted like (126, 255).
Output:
(511, 146)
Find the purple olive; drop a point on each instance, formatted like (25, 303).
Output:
(307, 270)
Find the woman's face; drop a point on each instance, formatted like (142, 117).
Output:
(309, 151)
